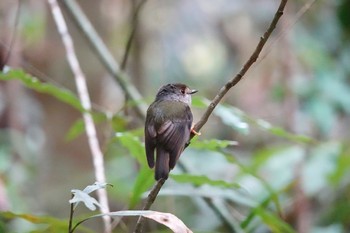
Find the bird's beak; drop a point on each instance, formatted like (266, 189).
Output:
(193, 91)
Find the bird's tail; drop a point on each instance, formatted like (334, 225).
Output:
(162, 164)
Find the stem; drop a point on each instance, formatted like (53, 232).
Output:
(71, 216)
(238, 77)
(97, 156)
(134, 24)
(106, 58)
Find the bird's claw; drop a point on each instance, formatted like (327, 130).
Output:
(195, 132)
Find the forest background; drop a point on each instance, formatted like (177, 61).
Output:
(272, 157)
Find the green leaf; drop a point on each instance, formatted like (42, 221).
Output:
(199, 102)
(31, 82)
(292, 137)
(212, 144)
(318, 168)
(241, 122)
(280, 132)
(78, 126)
(54, 225)
(275, 223)
(230, 195)
(119, 123)
(75, 130)
(342, 168)
(246, 170)
(282, 158)
(143, 182)
(134, 146)
(144, 178)
(232, 117)
(202, 180)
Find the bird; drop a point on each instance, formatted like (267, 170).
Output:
(168, 127)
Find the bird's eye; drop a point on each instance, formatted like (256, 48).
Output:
(183, 91)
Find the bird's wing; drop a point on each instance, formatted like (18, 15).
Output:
(173, 134)
(150, 141)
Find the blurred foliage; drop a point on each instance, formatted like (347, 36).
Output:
(31, 82)
(274, 157)
(49, 224)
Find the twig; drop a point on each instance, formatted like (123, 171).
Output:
(223, 91)
(149, 201)
(307, 6)
(71, 216)
(104, 55)
(252, 59)
(6, 57)
(85, 26)
(97, 155)
(134, 24)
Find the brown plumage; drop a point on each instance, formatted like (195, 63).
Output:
(168, 127)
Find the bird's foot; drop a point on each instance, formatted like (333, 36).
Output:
(195, 132)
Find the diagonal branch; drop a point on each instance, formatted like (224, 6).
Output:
(107, 59)
(134, 24)
(104, 55)
(222, 92)
(5, 59)
(80, 81)
(113, 68)
(252, 59)
(150, 199)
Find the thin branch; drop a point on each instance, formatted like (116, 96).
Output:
(80, 81)
(252, 59)
(6, 58)
(134, 24)
(71, 213)
(223, 91)
(149, 201)
(306, 7)
(104, 55)
(85, 26)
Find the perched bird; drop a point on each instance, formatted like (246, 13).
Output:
(168, 127)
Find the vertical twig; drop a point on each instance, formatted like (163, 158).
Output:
(71, 216)
(80, 81)
(5, 59)
(134, 24)
(104, 55)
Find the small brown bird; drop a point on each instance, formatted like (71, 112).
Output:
(168, 127)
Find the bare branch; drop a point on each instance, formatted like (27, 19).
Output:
(104, 55)
(5, 59)
(113, 68)
(134, 24)
(222, 92)
(149, 201)
(252, 59)
(80, 81)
